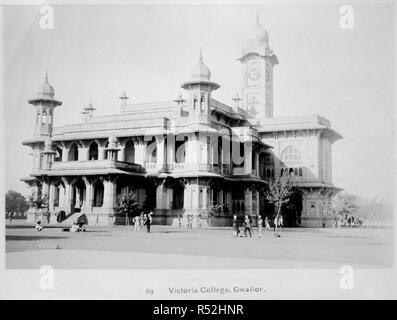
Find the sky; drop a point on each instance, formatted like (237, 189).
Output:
(95, 52)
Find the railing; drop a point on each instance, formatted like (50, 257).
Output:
(95, 164)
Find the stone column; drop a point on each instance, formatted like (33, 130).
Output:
(161, 194)
(257, 202)
(89, 192)
(170, 149)
(109, 194)
(257, 164)
(51, 197)
(187, 197)
(248, 201)
(65, 153)
(68, 196)
(140, 153)
(121, 153)
(160, 161)
(83, 152)
(248, 157)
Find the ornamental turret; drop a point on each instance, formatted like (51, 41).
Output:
(44, 104)
(200, 88)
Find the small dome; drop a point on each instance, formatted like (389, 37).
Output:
(201, 71)
(46, 90)
(112, 142)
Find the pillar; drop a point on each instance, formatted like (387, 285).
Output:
(51, 197)
(248, 157)
(161, 152)
(140, 153)
(248, 201)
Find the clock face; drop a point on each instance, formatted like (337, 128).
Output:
(254, 73)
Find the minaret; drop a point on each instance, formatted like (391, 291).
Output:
(44, 104)
(257, 63)
(200, 88)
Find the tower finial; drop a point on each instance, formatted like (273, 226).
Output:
(257, 17)
(201, 55)
(46, 76)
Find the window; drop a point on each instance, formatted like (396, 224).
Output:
(93, 151)
(290, 154)
(98, 194)
(268, 158)
(73, 153)
(129, 152)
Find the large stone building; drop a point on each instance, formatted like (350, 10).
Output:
(182, 156)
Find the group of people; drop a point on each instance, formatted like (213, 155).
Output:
(247, 225)
(144, 219)
(188, 221)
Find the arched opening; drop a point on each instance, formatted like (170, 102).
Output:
(151, 151)
(78, 195)
(290, 154)
(178, 196)
(129, 151)
(93, 151)
(180, 150)
(58, 154)
(73, 152)
(220, 151)
(98, 193)
(59, 192)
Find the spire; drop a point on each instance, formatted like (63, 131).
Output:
(201, 56)
(257, 17)
(46, 76)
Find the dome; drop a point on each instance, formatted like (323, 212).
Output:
(258, 33)
(46, 90)
(201, 71)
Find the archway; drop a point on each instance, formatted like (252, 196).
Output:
(98, 193)
(93, 151)
(129, 151)
(73, 152)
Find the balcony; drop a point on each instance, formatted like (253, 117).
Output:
(94, 165)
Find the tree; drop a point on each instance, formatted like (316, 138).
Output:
(344, 204)
(16, 202)
(127, 205)
(38, 202)
(280, 191)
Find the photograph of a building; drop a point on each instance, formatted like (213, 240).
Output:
(184, 155)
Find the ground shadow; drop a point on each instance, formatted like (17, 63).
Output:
(29, 238)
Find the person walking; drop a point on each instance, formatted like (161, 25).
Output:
(247, 226)
(235, 226)
(260, 226)
(147, 222)
(267, 224)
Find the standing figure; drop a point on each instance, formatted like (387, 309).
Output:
(267, 224)
(280, 221)
(260, 226)
(141, 221)
(147, 222)
(135, 221)
(11, 216)
(190, 221)
(179, 222)
(275, 223)
(236, 230)
(247, 226)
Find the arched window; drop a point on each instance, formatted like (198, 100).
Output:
(98, 194)
(290, 154)
(268, 158)
(220, 150)
(129, 152)
(93, 151)
(300, 172)
(73, 152)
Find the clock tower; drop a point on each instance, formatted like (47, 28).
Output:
(257, 62)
